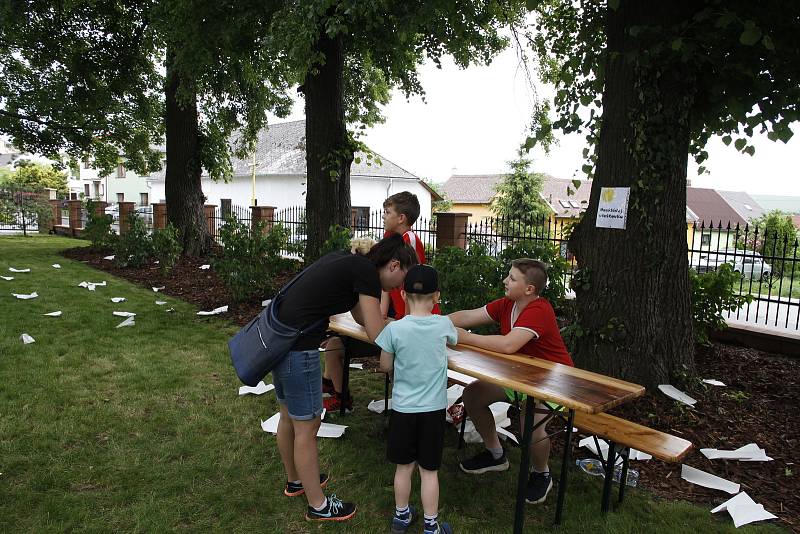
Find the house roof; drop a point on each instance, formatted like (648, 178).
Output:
(7, 159)
(715, 207)
(472, 188)
(556, 192)
(778, 202)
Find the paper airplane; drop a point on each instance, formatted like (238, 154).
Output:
(260, 389)
(13, 270)
(743, 510)
(7, 278)
(712, 382)
(326, 430)
(26, 297)
(161, 302)
(53, 314)
(130, 321)
(205, 267)
(157, 289)
(56, 266)
(357, 366)
(707, 480)
(117, 300)
(26, 339)
(123, 314)
(109, 257)
(215, 311)
(676, 394)
(749, 453)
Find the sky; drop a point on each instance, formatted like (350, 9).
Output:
(473, 120)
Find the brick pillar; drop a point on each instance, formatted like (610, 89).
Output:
(159, 215)
(75, 212)
(353, 216)
(210, 211)
(100, 207)
(451, 229)
(263, 214)
(125, 210)
(55, 205)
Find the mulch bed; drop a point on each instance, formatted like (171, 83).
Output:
(759, 404)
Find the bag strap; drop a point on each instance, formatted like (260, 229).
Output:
(282, 292)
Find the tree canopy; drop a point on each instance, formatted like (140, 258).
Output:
(37, 177)
(519, 194)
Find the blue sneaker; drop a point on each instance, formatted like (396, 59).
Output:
(441, 528)
(400, 524)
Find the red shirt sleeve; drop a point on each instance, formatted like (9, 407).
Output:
(495, 309)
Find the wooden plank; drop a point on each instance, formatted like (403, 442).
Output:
(661, 445)
(573, 388)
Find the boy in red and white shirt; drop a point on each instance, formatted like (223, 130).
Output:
(528, 326)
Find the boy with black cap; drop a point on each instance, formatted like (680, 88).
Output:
(415, 349)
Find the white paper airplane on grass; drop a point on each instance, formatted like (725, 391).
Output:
(357, 366)
(53, 314)
(743, 510)
(7, 278)
(91, 285)
(749, 453)
(117, 300)
(13, 270)
(161, 302)
(109, 257)
(157, 289)
(377, 406)
(123, 314)
(56, 266)
(712, 382)
(130, 321)
(674, 393)
(215, 311)
(26, 339)
(205, 267)
(326, 430)
(707, 480)
(26, 297)
(265, 303)
(259, 389)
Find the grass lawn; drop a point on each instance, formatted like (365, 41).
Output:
(141, 429)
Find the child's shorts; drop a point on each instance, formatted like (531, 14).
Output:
(417, 437)
(298, 384)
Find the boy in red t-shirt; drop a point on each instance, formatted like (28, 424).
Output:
(400, 212)
(527, 326)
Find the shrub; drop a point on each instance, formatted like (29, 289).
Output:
(711, 294)
(249, 262)
(166, 247)
(134, 247)
(98, 228)
(547, 252)
(339, 239)
(467, 278)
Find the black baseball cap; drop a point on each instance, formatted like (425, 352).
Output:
(421, 279)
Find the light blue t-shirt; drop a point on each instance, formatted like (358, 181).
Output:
(420, 361)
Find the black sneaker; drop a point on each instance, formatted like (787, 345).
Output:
(335, 510)
(483, 463)
(293, 489)
(400, 524)
(539, 485)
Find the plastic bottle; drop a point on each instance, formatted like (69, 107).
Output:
(632, 478)
(594, 467)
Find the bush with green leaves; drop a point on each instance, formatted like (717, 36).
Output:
(98, 228)
(467, 278)
(547, 252)
(713, 293)
(250, 261)
(166, 247)
(135, 246)
(339, 239)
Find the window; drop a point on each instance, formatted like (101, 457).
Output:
(564, 203)
(143, 200)
(574, 204)
(120, 197)
(360, 217)
(120, 171)
(705, 240)
(86, 190)
(73, 196)
(96, 189)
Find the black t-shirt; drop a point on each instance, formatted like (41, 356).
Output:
(331, 285)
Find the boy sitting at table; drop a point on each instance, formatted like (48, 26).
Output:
(415, 349)
(527, 326)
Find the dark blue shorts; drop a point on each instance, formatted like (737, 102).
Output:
(298, 384)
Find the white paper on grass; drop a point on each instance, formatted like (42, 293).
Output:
(161, 302)
(460, 377)
(26, 297)
(7, 278)
(749, 453)
(503, 432)
(326, 430)
(378, 405)
(170, 310)
(130, 321)
(53, 314)
(205, 267)
(357, 366)
(123, 314)
(712, 382)
(26, 339)
(117, 300)
(157, 289)
(56, 266)
(109, 257)
(707, 480)
(259, 389)
(674, 393)
(215, 311)
(743, 510)
(13, 270)
(265, 303)
(453, 393)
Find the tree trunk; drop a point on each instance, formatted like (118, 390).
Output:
(184, 193)
(329, 152)
(632, 306)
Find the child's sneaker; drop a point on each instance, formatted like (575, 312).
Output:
(400, 524)
(333, 404)
(483, 463)
(539, 485)
(441, 528)
(335, 510)
(293, 489)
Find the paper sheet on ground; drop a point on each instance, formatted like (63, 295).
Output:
(743, 510)
(123, 314)
(130, 321)
(161, 302)
(117, 300)
(26, 297)
(13, 270)
(326, 430)
(215, 311)
(674, 393)
(259, 389)
(460, 377)
(265, 303)
(91, 285)
(707, 480)
(56, 266)
(204, 267)
(357, 366)
(749, 453)
(157, 289)
(453, 393)
(26, 339)
(7, 278)
(633, 454)
(109, 257)
(377, 405)
(53, 314)
(712, 382)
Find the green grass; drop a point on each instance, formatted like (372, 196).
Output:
(141, 429)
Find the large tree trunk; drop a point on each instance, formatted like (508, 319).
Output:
(329, 152)
(633, 293)
(184, 193)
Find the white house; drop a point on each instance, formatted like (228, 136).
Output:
(121, 185)
(280, 177)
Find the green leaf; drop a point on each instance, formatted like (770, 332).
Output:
(726, 139)
(701, 170)
(532, 4)
(750, 150)
(577, 184)
(530, 142)
(587, 169)
(613, 5)
(750, 36)
(740, 144)
(767, 42)
(677, 44)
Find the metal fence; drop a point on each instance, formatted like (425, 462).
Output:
(18, 211)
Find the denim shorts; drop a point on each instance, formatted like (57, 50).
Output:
(298, 384)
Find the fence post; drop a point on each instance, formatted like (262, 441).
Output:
(159, 215)
(125, 211)
(100, 207)
(75, 209)
(265, 214)
(451, 229)
(55, 206)
(210, 210)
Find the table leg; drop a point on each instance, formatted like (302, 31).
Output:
(609, 480)
(623, 479)
(522, 480)
(345, 378)
(562, 485)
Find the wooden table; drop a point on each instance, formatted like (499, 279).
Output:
(568, 387)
